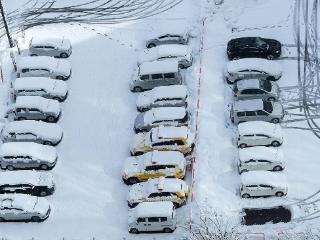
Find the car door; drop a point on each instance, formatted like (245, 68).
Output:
(39, 72)
(265, 165)
(266, 190)
(36, 114)
(142, 224)
(156, 80)
(26, 137)
(252, 190)
(251, 165)
(261, 139)
(153, 224)
(249, 139)
(7, 213)
(171, 79)
(21, 112)
(49, 51)
(251, 116)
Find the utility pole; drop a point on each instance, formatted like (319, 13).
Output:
(6, 25)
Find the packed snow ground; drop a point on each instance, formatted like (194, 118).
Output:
(98, 116)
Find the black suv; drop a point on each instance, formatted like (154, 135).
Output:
(253, 47)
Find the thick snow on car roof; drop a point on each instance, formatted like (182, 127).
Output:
(165, 185)
(35, 178)
(163, 51)
(164, 157)
(162, 132)
(249, 83)
(168, 29)
(25, 202)
(260, 127)
(264, 177)
(163, 66)
(39, 151)
(39, 128)
(30, 83)
(153, 209)
(48, 41)
(261, 153)
(264, 65)
(248, 105)
(165, 113)
(37, 62)
(43, 104)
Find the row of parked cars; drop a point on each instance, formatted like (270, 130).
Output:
(157, 166)
(30, 133)
(257, 112)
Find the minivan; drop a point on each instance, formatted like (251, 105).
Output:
(155, 74)
(152, 217)
(259, 133)
(256, 110)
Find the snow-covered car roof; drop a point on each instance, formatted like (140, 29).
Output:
(168, 29)
(164, 113)
(264, 177)
(164, 158)
(248, 83)
(163, 66)
(44, 104)
(39, 151)
(163, 92)
(151, 209)
(167, 132)
(35, 178)
(248, 105)
(40, 128)
(260, 127)
(31, 83)
(264, 65)
(49, 41)
(163, 51)
(24, 202)
(261, 153)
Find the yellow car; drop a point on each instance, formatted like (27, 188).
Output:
(163, 139)
(154, 165)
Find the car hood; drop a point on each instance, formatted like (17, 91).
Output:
(136, 192)
(65, 45)
(277, 109)
(274, 44)
(131, 166)
(53, 106)
(138, 140)
(60, 88)
(143, 100)
(46, 179)
(42, 206)
(63, 67)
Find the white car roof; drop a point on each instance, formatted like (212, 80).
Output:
(153, 209)
(39, 128)
(22, 201)
(269, 66)
(260, 127)
(50, 41)
(39, 151)
(168, 29)
(26, 177)
(36, 101)
(163, 51)
(165, 185)
(249, 83)
(164, 157)
(261, 153)
(248, 105)
(263, 177)
(163, 66)
(164, 113)
(38, 62)
(167, 132)
(30, 83)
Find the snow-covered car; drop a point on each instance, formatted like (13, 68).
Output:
(41, 86)
(182, 53)
(27, 155)
(35, 108)
(261, 159)
(163, 139)
(50, 46)
(32, 131)
(263, 184)
(23, 208)
(256, 110)
(259, 133)
(256, 89)
(155, 74)
(43, 66)
(154, 165)
(167, 35)
(157, 190)
(37, 183)
(249, 68)
(162, 116)
(152, 217)
(165, 96)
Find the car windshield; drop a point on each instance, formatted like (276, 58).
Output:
(261, 43)
(265, 85)
(267, 106)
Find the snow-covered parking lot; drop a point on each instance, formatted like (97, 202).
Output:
(98, 118)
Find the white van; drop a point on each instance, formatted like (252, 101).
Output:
(152, 217)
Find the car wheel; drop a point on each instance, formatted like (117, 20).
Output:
(236, 58)
(33, 55)
(181, 66)
(167, 230)
(246, 195)
(151, 45)
(275, 120)
(2, 219)
(132, 205)
(133, 180)
(243, 145)
(275, 144)
(48, 143)
(44, 167)
(270, 57)
(137, 89)
(43, 193)
(35, 219)
(176, 205)
(10, 168)
(60, 77)
(51, 119)
(133, 230)
(22, 118)
(64, 55)
(277, 168)
(228, 81)
(271, 99)
(137, 153)
(279, 194)
(271, 78)
(243, 171)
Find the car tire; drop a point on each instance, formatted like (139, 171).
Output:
(2, 219)
(44, 167)
(228, 81)
(243, 171)
(246, 195)
(277, 168)
(243, 145)
(167, 230)
(133, 230)
(35, 219)
(151, 45)
(236, 58)
(275, 120)
(133, 180)
(60, 77)
(176, 205)
(43, 193)
(137, 153)
(279, 194)
(180, 65)
(10, 168)
(270, 57)
(132, 205)
(48, 143)
(51, 119)
(137, 89)
(33, 55)
(271, 99)
(64, 55)
(275, 144)
(271, 78)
